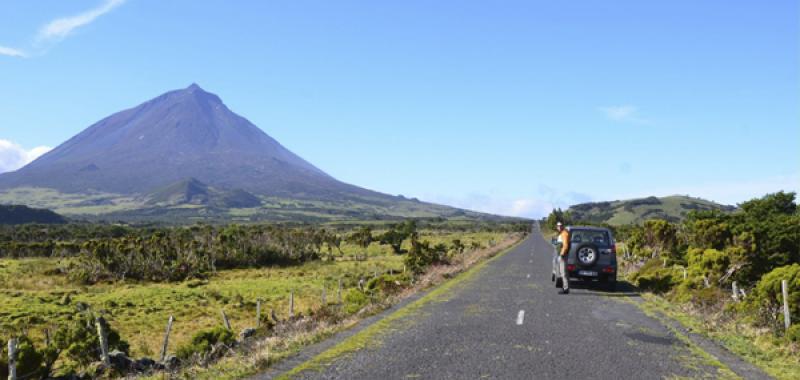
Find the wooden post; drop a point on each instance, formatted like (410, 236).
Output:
(102, 333)
(291, 304)
(735, 291)
(258, 313)
(12, 359)
(340, 291)
(787, 320)
(166, 339)
(225, 320)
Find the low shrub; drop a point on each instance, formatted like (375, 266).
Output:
(654, 277)
(204, 340)
(767, 299)
(78, 341)
(793, 334)
(354, 300)
(31, 362)
(387, 284)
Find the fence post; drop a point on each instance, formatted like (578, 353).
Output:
(291, 304)
(258, 313)
(340, 291)
(166, 339)
(225, 320)
(102, 333)
(787, 321)
(12, 359)
(735, 291)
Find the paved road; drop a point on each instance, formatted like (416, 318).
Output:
(508, 322)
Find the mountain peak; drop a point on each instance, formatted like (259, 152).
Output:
(185, 134)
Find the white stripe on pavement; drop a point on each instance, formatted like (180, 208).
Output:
(520, 316)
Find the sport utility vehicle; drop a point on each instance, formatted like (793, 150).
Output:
(592, 256)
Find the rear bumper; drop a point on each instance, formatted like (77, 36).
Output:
(601, 276)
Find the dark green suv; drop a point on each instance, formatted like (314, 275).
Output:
(592, 257)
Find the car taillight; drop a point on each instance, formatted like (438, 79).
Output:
(608, 270)
(570, 267)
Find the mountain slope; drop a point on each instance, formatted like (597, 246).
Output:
(18, 214)
(636, 211)
(180, 134)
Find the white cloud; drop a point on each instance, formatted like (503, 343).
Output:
(59, 28)
(537, 206)
(13, 156)
(11, 52)
(624, 113)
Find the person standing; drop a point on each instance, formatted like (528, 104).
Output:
(563, 240)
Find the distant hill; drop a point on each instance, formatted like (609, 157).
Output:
(636, 211)
(18, 214)
(184, 156)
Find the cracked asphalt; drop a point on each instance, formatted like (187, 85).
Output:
(508, 322)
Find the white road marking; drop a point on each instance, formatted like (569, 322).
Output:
(520, 316)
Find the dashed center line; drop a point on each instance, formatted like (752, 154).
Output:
(520, 317)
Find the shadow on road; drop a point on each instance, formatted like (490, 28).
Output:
(624, 289)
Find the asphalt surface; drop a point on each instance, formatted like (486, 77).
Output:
(508, 322)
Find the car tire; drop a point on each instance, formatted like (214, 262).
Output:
(587, 254)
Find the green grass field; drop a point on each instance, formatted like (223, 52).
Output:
(33, 299)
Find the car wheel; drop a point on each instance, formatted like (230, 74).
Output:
(587, 254)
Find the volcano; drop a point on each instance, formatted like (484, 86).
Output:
(182, 134)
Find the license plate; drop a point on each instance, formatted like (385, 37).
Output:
(587, 273)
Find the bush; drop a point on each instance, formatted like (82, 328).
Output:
(31, 362)
(767, 299)
(387, 284)
(793, 334)
(707, 263)
(653, 277)
(78, 340)
(204, 340)
(354, 300)
(423, 255)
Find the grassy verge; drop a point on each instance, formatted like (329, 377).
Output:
(756, 346)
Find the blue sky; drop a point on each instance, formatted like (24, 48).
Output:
(509, 107)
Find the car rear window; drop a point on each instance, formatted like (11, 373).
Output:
(589, 236)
